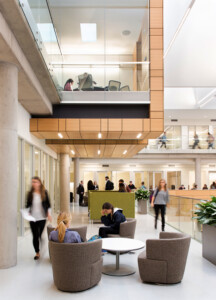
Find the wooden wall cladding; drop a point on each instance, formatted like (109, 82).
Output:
(156, 66)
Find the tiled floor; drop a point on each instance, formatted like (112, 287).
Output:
(33, 279)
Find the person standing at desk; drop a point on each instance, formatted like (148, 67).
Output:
(68, 85)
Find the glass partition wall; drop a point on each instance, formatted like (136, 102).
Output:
(34, 162)
(101, 45)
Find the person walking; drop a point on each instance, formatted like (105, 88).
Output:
(196, 141)
(159, 202)
(80, 192)
(39, 207)
(163, 140)
(109, 184)
(210, 141)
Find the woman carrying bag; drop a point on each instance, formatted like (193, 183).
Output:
(38, 204)
(159, 202)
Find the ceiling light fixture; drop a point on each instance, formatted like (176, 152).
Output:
(99, 135)
(179, 27)
(99, 152)
(139, 135)
(60, 135)
(72, 152)
(125, 152)
(88, 32)
(126, 32)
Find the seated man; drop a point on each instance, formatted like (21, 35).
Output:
(61, 234)
(112, 218)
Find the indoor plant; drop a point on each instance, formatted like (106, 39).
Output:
(206, 215)
(142, 196)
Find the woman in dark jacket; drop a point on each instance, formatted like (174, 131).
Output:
(112, 218)
(39, 208)
(90, 185)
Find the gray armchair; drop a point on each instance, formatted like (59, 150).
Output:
(81, 230)
(164, 259)
(76, 267)
(127, 229)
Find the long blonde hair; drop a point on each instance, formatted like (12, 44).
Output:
(62, 222)
(159, 185)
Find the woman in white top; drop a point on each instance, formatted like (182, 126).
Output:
(39, 207)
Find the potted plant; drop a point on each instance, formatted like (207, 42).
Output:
(206, 215)
(142, 197)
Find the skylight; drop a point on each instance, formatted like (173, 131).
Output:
(88, 32)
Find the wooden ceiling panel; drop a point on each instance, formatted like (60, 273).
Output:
(53, 135)
(109, 150)
(89, 135)
(48, 125)
(119, 149)
(115, 125)
(93, 125)
(129, 135)
(135, 125)
(114, 135)
(74, 135)
(81, 150)
(72, 125)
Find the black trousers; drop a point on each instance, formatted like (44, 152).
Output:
(104, 231)
(37, 230)
(162, 209)
(80, 199)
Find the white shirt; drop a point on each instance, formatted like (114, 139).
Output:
(37, 210)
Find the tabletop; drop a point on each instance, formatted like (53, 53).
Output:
(121, 244)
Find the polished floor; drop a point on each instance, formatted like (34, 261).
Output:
(33, 279)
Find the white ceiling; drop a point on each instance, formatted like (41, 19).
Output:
(109, 32)
(190, 65)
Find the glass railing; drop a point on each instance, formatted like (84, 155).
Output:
(174, 143)
(179, 215)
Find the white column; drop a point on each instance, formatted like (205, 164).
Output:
(64, 182)
(184, 137)
(198, 173)
(8, 164)
(76, 178)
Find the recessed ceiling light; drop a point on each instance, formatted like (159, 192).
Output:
(88, 32)
(139, 135)
(125, 152)
(60, 135)
(126, 32)
(36, 152)
(99, 135)
(72, 152)
(99, 152)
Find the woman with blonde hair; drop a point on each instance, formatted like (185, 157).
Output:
(38, 204)
(62, 234)
(159, 201)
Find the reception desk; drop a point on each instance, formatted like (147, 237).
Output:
(96, 199)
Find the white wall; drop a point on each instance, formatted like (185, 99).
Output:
(24, 132)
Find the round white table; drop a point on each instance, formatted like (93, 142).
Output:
(118, 245)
